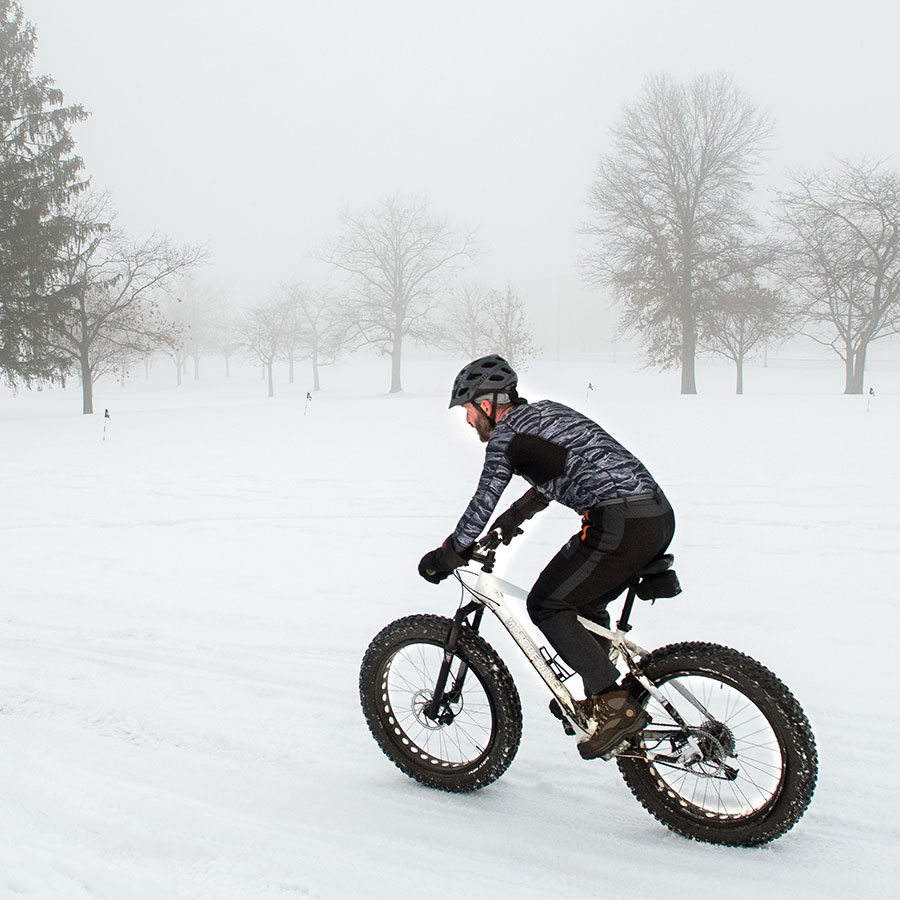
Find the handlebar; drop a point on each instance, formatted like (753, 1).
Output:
(482, 551)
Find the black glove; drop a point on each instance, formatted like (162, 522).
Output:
(437, 564)
(524, 508)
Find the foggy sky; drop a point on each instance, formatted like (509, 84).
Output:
(249, 126)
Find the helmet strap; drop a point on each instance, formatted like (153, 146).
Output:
(492, 418)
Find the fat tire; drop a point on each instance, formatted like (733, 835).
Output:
(787, 721)
(503, 711)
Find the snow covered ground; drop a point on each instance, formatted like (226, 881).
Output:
(185, 606)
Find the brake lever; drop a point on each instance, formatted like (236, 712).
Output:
(491, 540)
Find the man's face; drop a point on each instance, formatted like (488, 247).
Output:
(478, 420)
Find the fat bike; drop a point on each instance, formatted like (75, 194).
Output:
(728, 756)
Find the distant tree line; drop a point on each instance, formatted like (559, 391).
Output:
(397, 269)
(696, 268)
(677, 231)
(79, 295)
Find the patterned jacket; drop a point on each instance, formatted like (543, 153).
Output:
(564, 455)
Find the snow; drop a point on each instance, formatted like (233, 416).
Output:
(186, 604)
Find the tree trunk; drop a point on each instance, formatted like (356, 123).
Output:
(688, 355)
(315, 368)
(396, 387)
(688, 336)
(290, 368)
(196, 368)
(739, 364)
(87, 384)
(856, 370)
(269, 367)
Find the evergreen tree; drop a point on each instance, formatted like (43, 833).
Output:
(38, 174)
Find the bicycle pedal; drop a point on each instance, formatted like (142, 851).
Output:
(556, 709)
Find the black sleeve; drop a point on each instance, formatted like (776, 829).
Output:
(536, 458)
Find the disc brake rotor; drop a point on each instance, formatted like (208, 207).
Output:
(420, 703)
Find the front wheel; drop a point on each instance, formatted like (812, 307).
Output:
(729, 757)
(475, 734)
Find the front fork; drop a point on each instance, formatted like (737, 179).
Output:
(439, 708)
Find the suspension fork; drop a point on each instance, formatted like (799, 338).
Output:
(440, 693)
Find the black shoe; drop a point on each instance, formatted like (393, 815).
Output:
(618, 716)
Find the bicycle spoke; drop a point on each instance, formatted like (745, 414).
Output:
(726, 724)
(411, 678)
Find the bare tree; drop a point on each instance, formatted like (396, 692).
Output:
(396, 255)
(745, 317)
(319, 331)
(671, 219)
(292, 334)
(464, 328)
(227, 339)
(263, 329)
(842, 260)
(114, 285)
(173, 344)
(194, 307)
(478, 320)
(511, 333)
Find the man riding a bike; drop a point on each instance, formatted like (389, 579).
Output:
(626, 523)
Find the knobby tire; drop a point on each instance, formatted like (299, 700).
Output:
(479, 735)
(758, 735)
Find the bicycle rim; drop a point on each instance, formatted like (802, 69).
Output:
(465, 728)
(742, 767)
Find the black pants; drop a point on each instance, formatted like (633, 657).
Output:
(589, 572)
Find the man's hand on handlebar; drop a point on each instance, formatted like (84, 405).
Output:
(492, 539)
(525, 507)
(438, 564)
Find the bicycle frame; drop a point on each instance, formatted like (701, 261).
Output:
(491, 592)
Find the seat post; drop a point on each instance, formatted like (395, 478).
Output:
(622, 624)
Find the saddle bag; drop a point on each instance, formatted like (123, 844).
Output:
(656, 585)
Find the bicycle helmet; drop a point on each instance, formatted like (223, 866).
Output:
(488, 375)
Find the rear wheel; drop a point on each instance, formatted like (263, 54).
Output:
(744, 768)
(475, 734)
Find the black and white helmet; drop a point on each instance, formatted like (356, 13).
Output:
(485, 376)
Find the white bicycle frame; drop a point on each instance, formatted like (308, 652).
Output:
(493, 593)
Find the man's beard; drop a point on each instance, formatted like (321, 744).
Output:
(483, 427)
